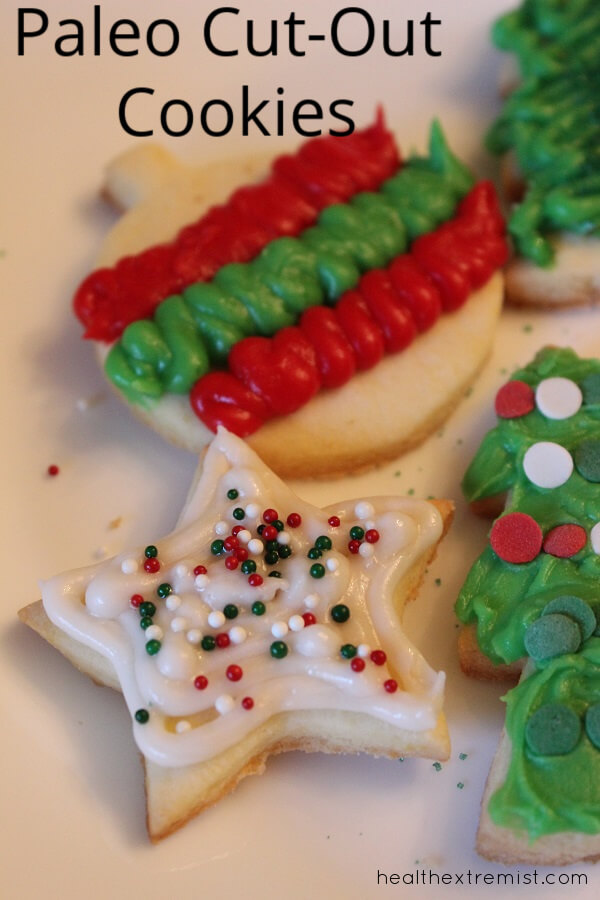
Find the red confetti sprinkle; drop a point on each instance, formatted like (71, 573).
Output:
(565, 540)
(234, 673)
(378, 657)
(514, 399)
(222, 640)
(151, 565)
(309, 619)
(269, 533)
(391, 685)
(357, 664)
(231, 563)
(136, 600)
(294, 520)
(516, 538)
(247, 702)
(200, 570)
(200, 682)
(270, 515)
(334, 521)
(53, 470)
(255, 580)
(372, 536)
(353, 546)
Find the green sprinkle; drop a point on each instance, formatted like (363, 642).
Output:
(275, 574)
(208, 642)
(438, 581)
(587, 460)
(348, 651)
(150, 552)
(314, 553)
(460, 785)
(152, 647)
(163, 590)
(145, 622)
(468, 392)
(248, 567)
(400, 759)
(271, 557)
(397, 474)
(317, 570)
(357, 533)
(552, 635)
(217, 547)
(410, 492)
(277, 524)
(258, 608)
(323, 542)
(437, 766)
(284, 551)
(575, 608)
(238, 513)
(142, 716)
(552, 730)
(230, 611)
(147, 608)
(592, 724)
(278, 649)
(232, 494)
(527, 329)
(340, 613)
(462, 755)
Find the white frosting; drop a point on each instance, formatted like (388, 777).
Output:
(187, 724)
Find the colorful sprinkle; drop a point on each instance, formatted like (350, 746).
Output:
(200, 682)
(278, 649)
(514, 399)
(516, 538)
(340, 613)
(558, 398)
(142, 716)
(565, 540)
(548, 465)
(552, 730)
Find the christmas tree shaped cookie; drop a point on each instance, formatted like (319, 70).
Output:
(262, 624)
(533, 598)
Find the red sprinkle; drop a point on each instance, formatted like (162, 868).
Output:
(516, 538)
(151, 565)
(357, 664)
(234, 673)
(334, 521)
(269, 533)
(270, 515)
(136, 599)
(353, 546)
(565, 540)
(255, 580)
(514, 399)
(200, 570)
(391, 685)
(378, 657)
(53, 470)
(231, 543)
(372, 536)
(241, 554)
(247, 702)
(231, 563)
(309, 619)
(236, 530)
(222, 640)
(200, 682)
(294, 520)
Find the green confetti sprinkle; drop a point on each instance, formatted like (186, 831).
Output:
(438, 581)
(527, 329)
(460, 785)
(410, 492)
(462, 755)
(437, 766)
(397, 474)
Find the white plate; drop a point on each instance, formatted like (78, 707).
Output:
(72, 797)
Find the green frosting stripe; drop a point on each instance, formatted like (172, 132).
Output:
(195, 331)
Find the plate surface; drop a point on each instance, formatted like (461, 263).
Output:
(73, 806)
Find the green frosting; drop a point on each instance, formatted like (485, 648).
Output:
(552, 120)
(549, 790)
(194, 332)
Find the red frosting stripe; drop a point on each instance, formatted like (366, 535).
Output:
(324, 170)
(382, 315)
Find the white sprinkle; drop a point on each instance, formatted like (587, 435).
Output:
(216, 619)
(283, 538)
(558, 398)
(296, 623)
(363, 650)
(201, 581)
(366, 550)
(129, 566)
(595, 537)
(255, 546)
(548, 465)
(181, 570)
(364, 510)
(178, 623)
(244, 536)
(154, 633)
(311, 601)
(194, 635)
(221, 528)
(100, 553)
(173, 602)
(279, 629)
(224, 704)
(237, 634)
(369, 524)
(252, 510)
(182, 726)
(332, 564)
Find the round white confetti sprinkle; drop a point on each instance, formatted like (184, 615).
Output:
(244, 536)
(216, 619)
(311, 601)
(283, 538)
(366, 550)
(153, 633)
(194, 635)
(181, 570)
(252, 510)
(237, 634)
(363, 650)
(182, 726)
(296, 623)
(595, 537)
(129, 566)
(332, 564)
(221, 527)
(255, 546)
(173, 602)
(547, 465)
(558, 398)
(224, 704)
(201, 581)
(279, 629)
(364, 510)
(178, 623)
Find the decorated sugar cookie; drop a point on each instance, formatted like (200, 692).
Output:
(533, 597)
(548, 134)
(262, 624)
(286, 309)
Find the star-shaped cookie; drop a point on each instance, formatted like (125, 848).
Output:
(261, 624)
